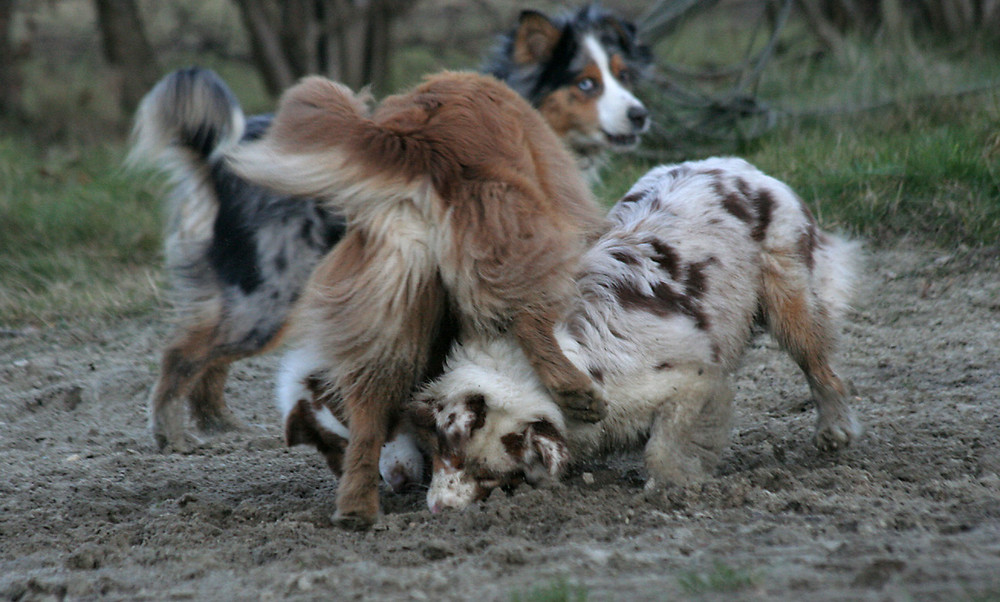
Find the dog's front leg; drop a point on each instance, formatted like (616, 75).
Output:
(572, 389)
(691, 426)
(375, 398)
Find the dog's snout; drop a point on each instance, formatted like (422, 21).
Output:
(638, 116)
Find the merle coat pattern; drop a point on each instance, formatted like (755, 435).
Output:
(697, 254)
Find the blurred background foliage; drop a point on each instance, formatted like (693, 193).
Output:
(883, 114)
(727, 69)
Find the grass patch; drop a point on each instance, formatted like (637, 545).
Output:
(560, 590)
(904, 172)
(908, 171)
(721, 578)
(79, 236)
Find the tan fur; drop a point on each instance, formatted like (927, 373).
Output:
(456, 194)
(568, 110)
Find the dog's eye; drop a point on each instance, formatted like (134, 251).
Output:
(587, 85)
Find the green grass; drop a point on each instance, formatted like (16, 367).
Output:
(721, 578)
(79, 236)
(560, 590)
(925, 170)
(903, 172)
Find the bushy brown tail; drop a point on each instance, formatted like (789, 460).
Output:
(323, 143)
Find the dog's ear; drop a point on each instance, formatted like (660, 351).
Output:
(421, 413)
(535, 39)
(637, 53)
(544, 439)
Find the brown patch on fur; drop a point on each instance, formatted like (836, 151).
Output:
(665, 257)
(568, 109)
(535, 38)
(807, 246)
(544, 428)
(302, 428)
(514, 444)
(618, 67)
(752, 206)
(665, 300)
(733, 202)
(477, 405)
(763, 203)
(631, 198)
(625, 257)
(596, 373)
(550, 445)
(696, 283)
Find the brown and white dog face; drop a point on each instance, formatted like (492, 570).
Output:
(578, 71)
(490, 424)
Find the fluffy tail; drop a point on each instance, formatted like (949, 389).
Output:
(184, 122)
(838, 263)
(323, 144)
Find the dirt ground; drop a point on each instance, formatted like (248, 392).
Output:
(88, 508)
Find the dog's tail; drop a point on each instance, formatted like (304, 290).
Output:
(322, 143)
(838, 263)
(185, 122)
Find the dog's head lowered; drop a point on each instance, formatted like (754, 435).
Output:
(492, 424)
(579, 71)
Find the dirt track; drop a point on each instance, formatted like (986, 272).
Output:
(89, 510)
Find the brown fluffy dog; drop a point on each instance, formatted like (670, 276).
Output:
(460, 200)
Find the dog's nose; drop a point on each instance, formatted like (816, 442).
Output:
(638, 116)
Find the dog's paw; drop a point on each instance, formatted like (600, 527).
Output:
(182, 443)
(837, 435)
(351, 521)
(583, 405)
(221, 422)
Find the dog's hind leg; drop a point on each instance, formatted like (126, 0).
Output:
(806, 328)
(691, 427)
(183, 364)
(207, 402)
(572, 389)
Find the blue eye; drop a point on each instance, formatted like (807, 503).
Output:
(587, 84)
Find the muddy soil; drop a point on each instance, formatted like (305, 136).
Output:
(89, 509)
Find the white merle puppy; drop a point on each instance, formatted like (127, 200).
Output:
(697, 254)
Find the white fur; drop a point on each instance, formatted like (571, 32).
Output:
(616, 100)
(664, 375)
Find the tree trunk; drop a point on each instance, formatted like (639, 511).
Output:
(379, 34)
(127, 49)
(10, 76)
(265, 44)
(346, 40)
